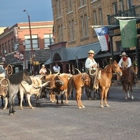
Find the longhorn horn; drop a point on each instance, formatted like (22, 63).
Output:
(50, 71)
(78, 70)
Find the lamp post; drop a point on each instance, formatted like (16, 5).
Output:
(31, 43)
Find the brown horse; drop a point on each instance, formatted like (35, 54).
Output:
(105, 81)
(78, 82)
(127, 82)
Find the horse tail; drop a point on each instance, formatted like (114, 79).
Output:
(70, 87)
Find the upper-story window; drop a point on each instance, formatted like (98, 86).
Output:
(129, 4)
(121, 5)
(100, 17)
(60, 33)
(69, 5)
(34, 42)
(94, 18)
(9, 46)
(115, 9)
(58, 8)
(82, 2)
(84, 25)
(48, 40)
(71, 30)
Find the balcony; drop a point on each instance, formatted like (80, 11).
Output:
(133, 12)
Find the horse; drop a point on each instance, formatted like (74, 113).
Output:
(105, 81)
(127, 82)
(14, 82)
(78, 81)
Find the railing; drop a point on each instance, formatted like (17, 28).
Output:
(133, 12)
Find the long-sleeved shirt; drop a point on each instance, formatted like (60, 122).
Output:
(122, 62)
(89, 63)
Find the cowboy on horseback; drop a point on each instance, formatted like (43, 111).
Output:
(125, 62)
(92, 69)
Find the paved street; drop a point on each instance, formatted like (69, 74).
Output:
(121, 121)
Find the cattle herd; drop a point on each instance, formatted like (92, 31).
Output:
(54, 85)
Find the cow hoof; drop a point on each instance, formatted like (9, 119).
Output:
(21, 108)
(132, 97)
(107, 105)
(126, 98)
(11, 114)
(31, 107)
(102, 106)
(83, 106)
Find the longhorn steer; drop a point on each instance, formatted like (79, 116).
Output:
(34, 88)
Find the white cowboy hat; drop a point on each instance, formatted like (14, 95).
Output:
(91, 51)
(123, 54)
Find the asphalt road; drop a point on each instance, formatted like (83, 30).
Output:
(121, 121)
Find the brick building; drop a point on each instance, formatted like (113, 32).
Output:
(15, 45)
(74, 35)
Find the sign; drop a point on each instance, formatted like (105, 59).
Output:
(128, 33)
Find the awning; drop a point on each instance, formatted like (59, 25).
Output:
(48, 61)
(73, 53)
(82, 51)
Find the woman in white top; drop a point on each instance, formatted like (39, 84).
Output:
(43, 70)
(90, 62)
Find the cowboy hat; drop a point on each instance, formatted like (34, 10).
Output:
(123, 54)
(91, 51)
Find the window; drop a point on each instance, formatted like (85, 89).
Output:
(100, 17)
(58, 7)
(12, 44)
(95, 18)
(5, 49)
(69, 5)
(9, 46)
(34, 42)
(71, 30)
(121, 5)
(114, 5)
(82, 2)
(48, 40)
(129, 4)
(84, 25)
(60, 33)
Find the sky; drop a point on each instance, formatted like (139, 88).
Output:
(11, 11)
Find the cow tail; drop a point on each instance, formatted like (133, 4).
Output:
(70, 87)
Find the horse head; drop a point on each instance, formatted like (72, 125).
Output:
(116, 68)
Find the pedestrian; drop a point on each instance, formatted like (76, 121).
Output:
(125, 62)
(56, 68)
(43, 70)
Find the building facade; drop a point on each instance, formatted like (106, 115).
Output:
(72, 24)
(16, 48)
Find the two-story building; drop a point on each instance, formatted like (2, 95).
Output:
(24, 49)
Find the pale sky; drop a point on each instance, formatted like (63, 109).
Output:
(11, 11)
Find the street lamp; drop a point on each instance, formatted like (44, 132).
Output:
(31, 43)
